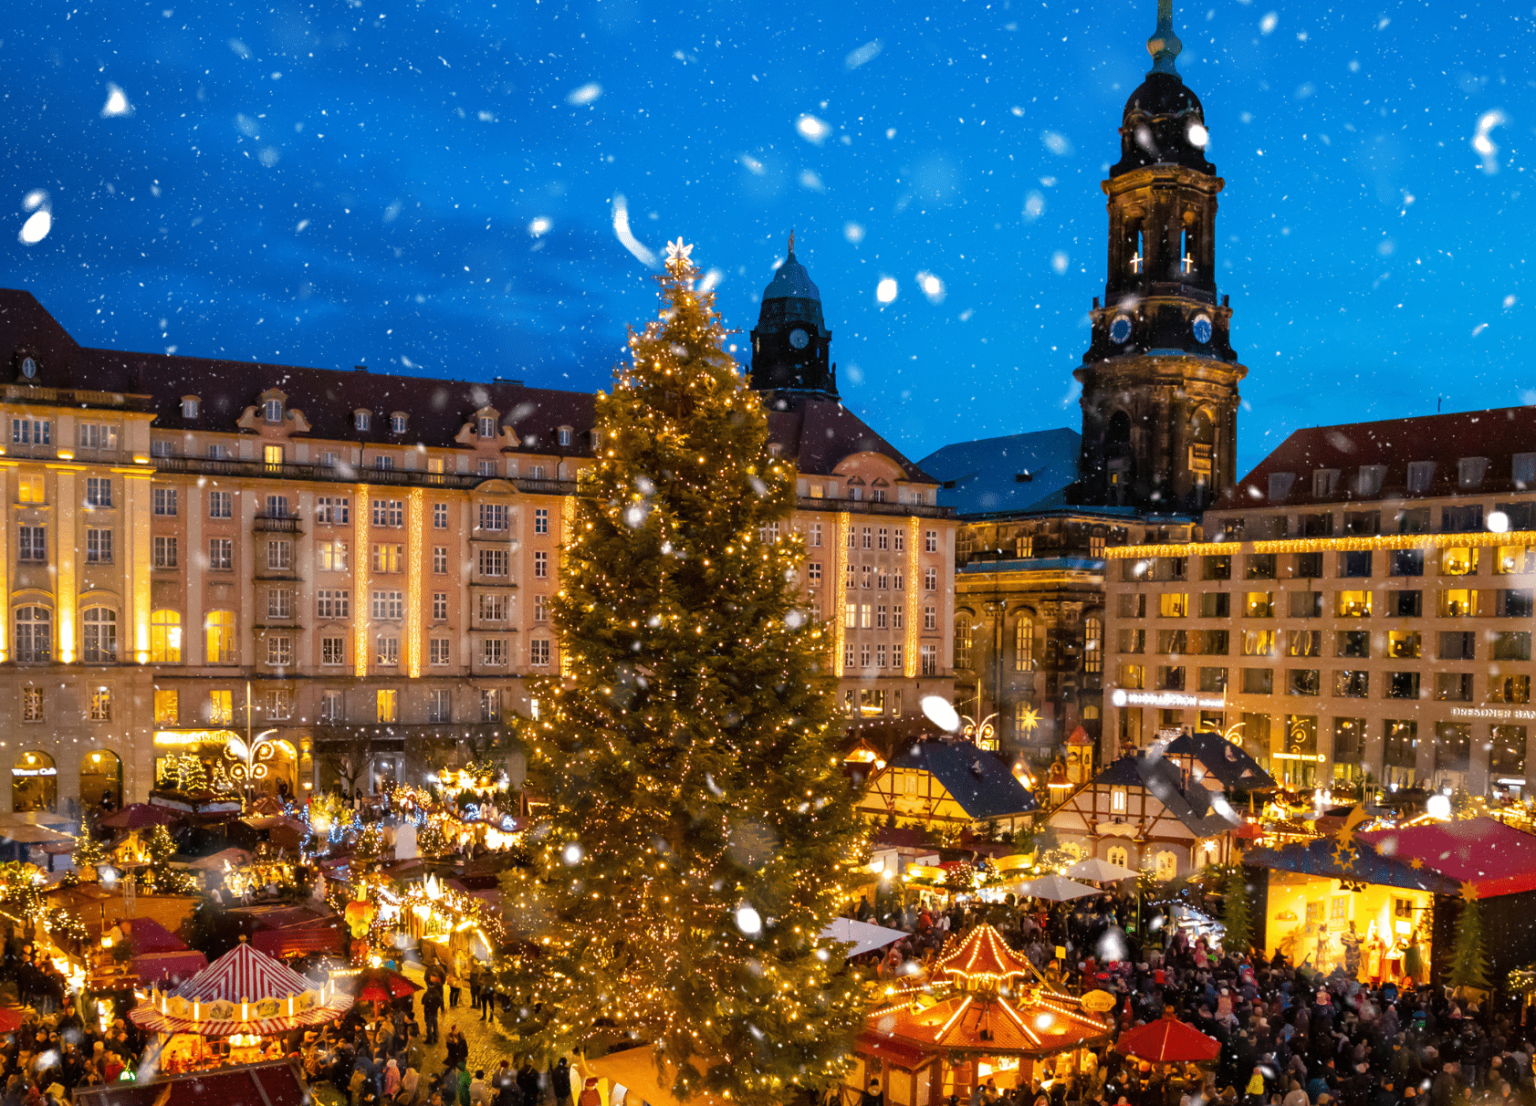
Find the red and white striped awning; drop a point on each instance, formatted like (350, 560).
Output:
(243, 991)
(244, 975)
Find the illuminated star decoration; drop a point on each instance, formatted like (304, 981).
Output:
(1344, 849)
(1468, 892)
(679, 251)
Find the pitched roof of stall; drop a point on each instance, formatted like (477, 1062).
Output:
(974, 778)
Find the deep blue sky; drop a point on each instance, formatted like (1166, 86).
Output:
(339, 182)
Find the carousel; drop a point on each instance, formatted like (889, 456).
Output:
(235, 1011)
(984, 1013)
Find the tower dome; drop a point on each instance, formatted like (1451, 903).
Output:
(790, 344)
(1163, 122)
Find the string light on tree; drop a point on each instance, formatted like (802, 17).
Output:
(700, 835)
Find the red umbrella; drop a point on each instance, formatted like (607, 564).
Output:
(1168, 1041)
(381, 985)
(140, 816)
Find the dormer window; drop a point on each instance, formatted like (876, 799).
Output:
(597, 439)
(272, 410)
(1420, 475)
(1324, 482)
(397, 423)
(1470, 471)
(1369, 479)
(190, 405)
(362, 420)
(487, 426)
(29, 367)
(563, 435)
(1522, 470)
(1280, 484)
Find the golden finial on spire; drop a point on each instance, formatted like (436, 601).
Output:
(791, 241)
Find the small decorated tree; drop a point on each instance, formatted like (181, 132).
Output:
(431, 841)
(1469, 959)
(194, 774)
(370, 845)
(88, 854)
(1237, 913)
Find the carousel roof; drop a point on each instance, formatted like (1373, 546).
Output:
(243, 991)
(987, 999)
(1034, 1022)
(982, 952)
(244, 975)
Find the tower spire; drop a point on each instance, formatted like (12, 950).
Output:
(1164, 45)
(791, 241)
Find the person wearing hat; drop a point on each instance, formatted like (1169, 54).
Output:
(589, 1093)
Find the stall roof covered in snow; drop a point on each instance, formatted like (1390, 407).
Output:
(975, 779)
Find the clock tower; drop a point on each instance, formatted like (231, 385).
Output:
(790, 343)
(1160, 377)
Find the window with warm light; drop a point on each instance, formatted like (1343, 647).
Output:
(386, 705)
(221, 708)
(219, 632)
(1352, 604)
(1117, 800)
(31, 704)
(1173, 604)
(99, 706)
(1259, 604)
(1457, 602)
(1404, 643)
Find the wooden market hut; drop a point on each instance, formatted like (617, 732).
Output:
(951, 785)
(985, 1012)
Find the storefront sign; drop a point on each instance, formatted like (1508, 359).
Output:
(1166, 699)
(1495, 713)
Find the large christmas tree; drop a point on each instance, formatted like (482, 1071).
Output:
(1469, 958)
(700, 835)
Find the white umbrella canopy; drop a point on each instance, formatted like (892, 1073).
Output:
(1055, 889)
(864, 936)
(1095, 870)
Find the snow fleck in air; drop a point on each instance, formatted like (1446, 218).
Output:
(241, 49)
(268, 156)
(117, 103)
(794, 619)
(1498, 523)
(572, 854)
(36, 228)
(941, 712)
(748, 921)
(539, 226)
(1485, 145)
(1438, 806)
(585, 94)
(1034, 207)
(302, 224)
(1057, 143)
(866, 53)
(751, 164)
(1267, 24)
(247, 126)
(810, 181)
(709, 282)
(855, 233)
(885, 291)
(1112, 946)
(1476, 330)
(622, 232)
(1509, 301)
(634, 515)
(812, 129)
(932, 287)
(1060, 261)
(1198, 135)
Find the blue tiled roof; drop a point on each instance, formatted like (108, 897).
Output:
(985, 473)
(974, 778)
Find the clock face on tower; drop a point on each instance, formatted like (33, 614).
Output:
(1120, 330)
(1202, 328)
(799, 338)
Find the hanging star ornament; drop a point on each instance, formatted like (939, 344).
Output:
(1469, 892)
(679, 250)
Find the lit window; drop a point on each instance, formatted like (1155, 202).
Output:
(165, 637)
(101, 704)
(167, 707)
(387, 705)
(221, 708)
(219, 630)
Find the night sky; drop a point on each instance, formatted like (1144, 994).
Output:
(432, 188)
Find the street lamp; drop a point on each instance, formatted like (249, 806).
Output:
(250, 760)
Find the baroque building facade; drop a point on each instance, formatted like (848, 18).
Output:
(358, 563)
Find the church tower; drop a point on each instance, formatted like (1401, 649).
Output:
(791, 343)
(1160, 377)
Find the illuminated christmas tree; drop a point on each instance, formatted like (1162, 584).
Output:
(194, 775)
(700, 834)
(1469, 958)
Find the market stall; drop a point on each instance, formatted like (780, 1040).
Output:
(234, 1010)
(984, 1013)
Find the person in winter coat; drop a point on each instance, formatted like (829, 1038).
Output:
(528, 1083)
(560, 1081)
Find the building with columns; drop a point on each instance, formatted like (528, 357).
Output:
(347, 561)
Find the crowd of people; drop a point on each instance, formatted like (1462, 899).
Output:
(1289, 1036)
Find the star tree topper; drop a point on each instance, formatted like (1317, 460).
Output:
(679, 251)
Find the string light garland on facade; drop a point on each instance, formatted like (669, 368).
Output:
(1357, 543)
